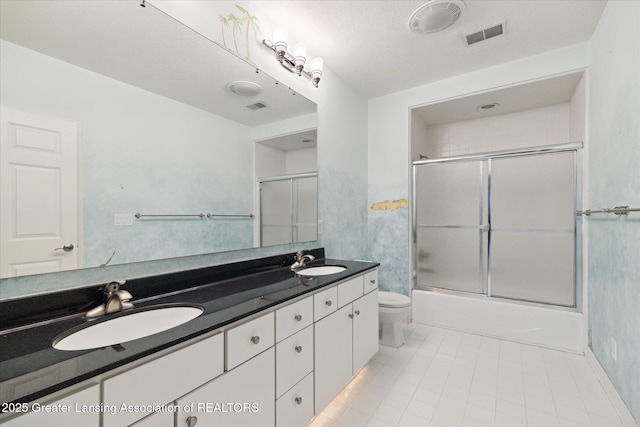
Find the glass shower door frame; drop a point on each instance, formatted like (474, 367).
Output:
(485, 267)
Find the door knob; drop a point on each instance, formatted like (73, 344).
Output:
(255, 339)
(358, 312)
(67, 248)
(298, 317)
(298, 348)
(299, 400)
(192, 421)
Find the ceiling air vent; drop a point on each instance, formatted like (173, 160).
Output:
(485, 34)
(256, 106)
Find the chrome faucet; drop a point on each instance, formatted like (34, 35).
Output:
(115, 300)
(300, 259)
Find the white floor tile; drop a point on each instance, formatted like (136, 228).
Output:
(444, 378)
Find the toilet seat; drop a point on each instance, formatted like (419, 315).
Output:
(393, 299)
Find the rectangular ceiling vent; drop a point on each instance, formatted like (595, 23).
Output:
(257, 106)
(485, 34)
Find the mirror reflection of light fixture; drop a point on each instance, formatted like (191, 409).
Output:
(294, 62)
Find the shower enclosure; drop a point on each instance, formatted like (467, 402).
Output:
(500, 225)
(288, 209)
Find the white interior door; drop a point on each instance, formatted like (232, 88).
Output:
(39, 199)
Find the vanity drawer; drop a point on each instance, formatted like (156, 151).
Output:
(324, 303)
(349, 291)
(162, 380)
(293, 318)
(294, 359)
(295, 408)
(249, 339)
(370, 281)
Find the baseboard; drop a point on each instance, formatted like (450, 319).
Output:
(617, 402)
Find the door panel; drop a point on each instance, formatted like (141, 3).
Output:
(39, 201)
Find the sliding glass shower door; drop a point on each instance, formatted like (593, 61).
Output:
(288, 209)
(501, 225)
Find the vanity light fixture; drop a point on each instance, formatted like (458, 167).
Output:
(294, 62)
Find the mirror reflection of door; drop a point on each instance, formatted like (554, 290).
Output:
(39, 201)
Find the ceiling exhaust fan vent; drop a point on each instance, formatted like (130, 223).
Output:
(485, 34)
(257, 106)
(435, 15)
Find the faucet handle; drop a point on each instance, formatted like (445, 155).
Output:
(114, 286)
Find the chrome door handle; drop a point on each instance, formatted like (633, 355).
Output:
(255, 339)
(67, 248)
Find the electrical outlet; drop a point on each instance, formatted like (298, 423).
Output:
(123, 219)
(614, 349)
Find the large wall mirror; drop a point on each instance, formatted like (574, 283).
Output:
(125, 140)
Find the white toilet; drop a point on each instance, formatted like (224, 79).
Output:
(394, 309)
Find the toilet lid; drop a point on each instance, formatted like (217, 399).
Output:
(393, 299)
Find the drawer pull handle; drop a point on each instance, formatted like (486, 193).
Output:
(192, 421)
(351, 315)
(255, 339)
(298, 317)
(328, 302)
(299, 348)
(358, 312)
(373, 281)
(299, 400)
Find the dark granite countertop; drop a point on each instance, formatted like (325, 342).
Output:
(227, 293)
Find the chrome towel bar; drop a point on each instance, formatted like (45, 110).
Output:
(200, 215)
(618, 210)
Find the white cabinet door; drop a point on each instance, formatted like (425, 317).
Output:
(365, 329)
(78, 410)
(157, 419)
(295, 407)
(244, 397)
(294, 360)
(333, 354)
(248, 339)
(162, 380)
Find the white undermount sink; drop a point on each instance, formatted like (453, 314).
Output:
(126, 327)
(321, 270)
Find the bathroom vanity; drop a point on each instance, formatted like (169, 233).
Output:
(271, 347)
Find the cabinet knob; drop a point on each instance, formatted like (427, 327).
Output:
(299, 400)
(192, 421)
(358, 312)
(299, 348)
(373, 281)
(298, 317)
(328, 302)
(255, 339)
(351, 315)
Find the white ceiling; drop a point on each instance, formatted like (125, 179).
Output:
(369, 44)
(541, 93)
(147, 49)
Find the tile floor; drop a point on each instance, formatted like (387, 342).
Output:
(443, 378)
